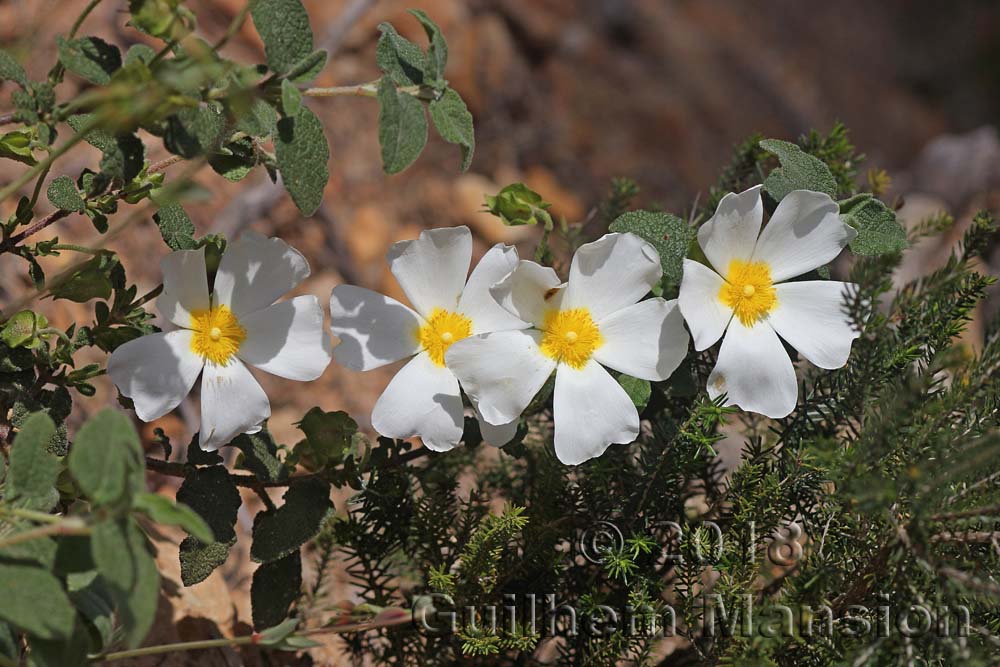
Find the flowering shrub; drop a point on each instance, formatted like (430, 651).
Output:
(859, 526)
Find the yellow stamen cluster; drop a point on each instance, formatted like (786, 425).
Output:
(443, 329)
(570, 336)
(218, 334)
(749, 291)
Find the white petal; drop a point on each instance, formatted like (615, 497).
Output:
(232, 402)
(647, 340)
(804, 233)
(706, 314)
(501, 371)
(610, 273)
(185, 286)
(255, 271)
(422, 400)
(496, 435)
(287, 339)
(529, 291)
(755, 371)
(810, 317)
(477, 302)
(374, 330)
(732, 232)
(432, 269)
(591, 411)
(156, 371)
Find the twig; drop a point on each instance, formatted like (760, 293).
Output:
(972, 537)
(254, 639)
(65, 526)
(962, 514)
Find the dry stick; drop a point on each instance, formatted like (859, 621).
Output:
(59, 214)
(175, 469)
(254, 639)
(988, 510)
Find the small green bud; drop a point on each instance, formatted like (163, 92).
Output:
(517, 204)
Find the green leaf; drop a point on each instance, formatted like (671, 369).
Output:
(638, 390)
(22, 328)
(163, 510)
(63, 195)
(669, 235)
(11, 70)
(175, 226)
(437, 52)
(402, 127)
(41, 551)
(33, 469)
(279, 532)
(69, 652)
(121, 553)
(199, 560)
(90, 57)
(234, 160)
(454, 123)
(401, 60)
(291, 98)
(276, 585)
(210, 492)
(879, 232)
(34, 601)
(302, 154)
(328, 437)
(260, 456)
(107, 460)
(139, 53)
(284, 28)
(16, 146)
(308, 68)
(194, 131)
(123, 155)
(798, 171)
(91, 280)
(259, 120)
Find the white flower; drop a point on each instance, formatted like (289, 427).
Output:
(423, 399)
(595, 318)
(239, 323)
(748, 296)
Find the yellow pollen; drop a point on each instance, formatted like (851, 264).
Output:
(218, 334)
(749, 291)
(443, 328)
(570, 336)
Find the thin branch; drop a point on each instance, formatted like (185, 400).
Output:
(971, 537)
(254, 639)
(82, 17)
(988, 510)
(66, 526)
(369, 89)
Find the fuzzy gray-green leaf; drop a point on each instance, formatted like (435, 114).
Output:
(302, 153)
(63, 195)
(402, 127)
(106, 459)
(878, 230)
(399, 58)
(276, 585)
(33, 469)
(454, 123)
(798, 171)
(284, 28)
(90, 57)
(175, 226)
(279, 532)
(34, 600)
(669, 235)
(11, 70)
(437, 52)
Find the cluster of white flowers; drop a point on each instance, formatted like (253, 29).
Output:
(500, 333)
